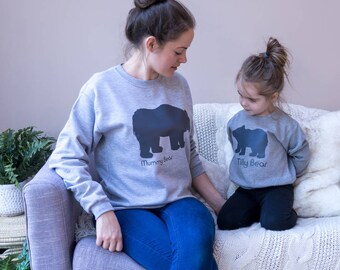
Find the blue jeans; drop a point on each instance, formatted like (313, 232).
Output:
(179, 235)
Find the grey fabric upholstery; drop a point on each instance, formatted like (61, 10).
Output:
(88, 256)
(51, 215)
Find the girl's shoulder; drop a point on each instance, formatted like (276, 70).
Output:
(285, 117)
(237, 118)
(238, 115)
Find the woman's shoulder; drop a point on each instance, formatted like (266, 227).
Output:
(175, 84)
(103, 75)
(178, 78)
(99, 79)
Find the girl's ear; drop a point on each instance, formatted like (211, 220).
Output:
(151, 43)
(274, 97)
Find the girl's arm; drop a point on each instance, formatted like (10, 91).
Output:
(299, 152)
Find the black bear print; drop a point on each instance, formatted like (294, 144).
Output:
(164, 121)
(255, 139)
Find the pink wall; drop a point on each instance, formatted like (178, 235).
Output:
(48, 49)
(229, 31)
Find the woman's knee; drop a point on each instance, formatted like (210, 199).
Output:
(191, 211)
(202, 223)
(192, 231)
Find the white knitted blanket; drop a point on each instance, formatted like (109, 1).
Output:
(314, 243)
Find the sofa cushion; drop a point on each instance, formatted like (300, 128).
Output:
(88, 256)
(317, 192)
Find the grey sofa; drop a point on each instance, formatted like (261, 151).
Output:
(52, 213)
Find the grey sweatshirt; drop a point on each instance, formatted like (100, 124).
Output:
(141, 135)
(269, 150)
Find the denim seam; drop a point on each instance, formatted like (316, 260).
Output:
(178, 246)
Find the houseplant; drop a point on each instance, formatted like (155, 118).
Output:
(22, 154)
(17, 262)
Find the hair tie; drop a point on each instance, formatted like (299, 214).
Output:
(265, 55)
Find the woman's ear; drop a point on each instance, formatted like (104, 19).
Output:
(151, 43)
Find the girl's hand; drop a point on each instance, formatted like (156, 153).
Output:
(109, 235)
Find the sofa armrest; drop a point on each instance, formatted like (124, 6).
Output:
(51, 215)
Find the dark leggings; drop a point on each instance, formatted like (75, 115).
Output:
(271, 206)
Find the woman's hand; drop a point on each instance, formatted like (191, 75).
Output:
(204, 187)
(109, 235)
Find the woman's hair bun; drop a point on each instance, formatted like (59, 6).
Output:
(143, 4)
(165, 20)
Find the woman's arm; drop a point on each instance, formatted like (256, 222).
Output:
(206, 189)
(71, 157)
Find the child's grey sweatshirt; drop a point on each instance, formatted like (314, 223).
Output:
(141, 134)
(269, 150)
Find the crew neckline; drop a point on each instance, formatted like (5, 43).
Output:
(135, 81)
(272, 114)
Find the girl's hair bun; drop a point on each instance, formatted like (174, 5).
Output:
(277, 53)
(143, 4)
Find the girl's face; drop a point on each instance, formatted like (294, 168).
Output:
(165, 60)
(254, 103)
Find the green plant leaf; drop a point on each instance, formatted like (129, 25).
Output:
(8, 263)
(17, 262)
(22, 154)
(24, 258)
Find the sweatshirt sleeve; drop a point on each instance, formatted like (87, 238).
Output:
(70, 159)
(299, 152)
(196, 166)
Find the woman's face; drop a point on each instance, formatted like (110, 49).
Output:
(166, 59)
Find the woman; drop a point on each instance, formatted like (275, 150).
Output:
(137, 120)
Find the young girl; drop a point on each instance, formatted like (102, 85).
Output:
(136, 118)
(270, 149)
